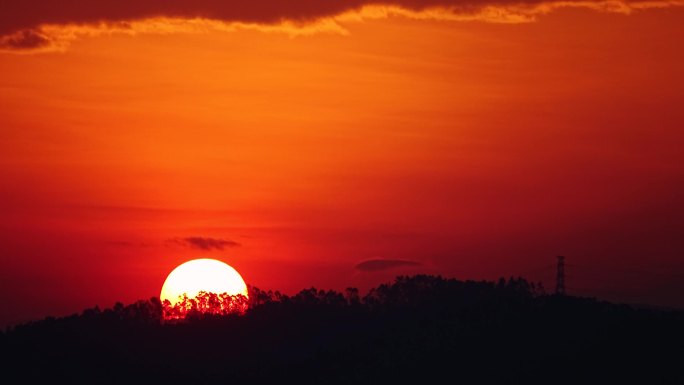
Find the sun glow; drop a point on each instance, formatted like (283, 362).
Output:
(202, 275)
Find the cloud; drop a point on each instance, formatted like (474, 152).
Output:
(24, 39)
(204, 243)
(383, 264)
(39, 24)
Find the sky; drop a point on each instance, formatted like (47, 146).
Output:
(338, 143)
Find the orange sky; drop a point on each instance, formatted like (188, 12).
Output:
(471, 148)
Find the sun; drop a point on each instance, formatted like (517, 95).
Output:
(202, 275)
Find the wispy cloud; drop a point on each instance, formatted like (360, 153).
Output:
(383, 264)
(204, 243)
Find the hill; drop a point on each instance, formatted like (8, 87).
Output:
(419, 329)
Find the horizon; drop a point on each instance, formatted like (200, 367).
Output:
(418, 328)
(540, 291)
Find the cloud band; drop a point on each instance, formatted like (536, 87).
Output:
(35, 24)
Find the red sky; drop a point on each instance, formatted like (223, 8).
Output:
(471, 140)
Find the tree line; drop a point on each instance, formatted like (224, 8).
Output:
(417, 329)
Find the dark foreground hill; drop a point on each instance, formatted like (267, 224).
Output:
(418, 330)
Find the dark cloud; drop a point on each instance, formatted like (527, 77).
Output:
(203, 243)
(25, 17)
(383, 264)
(25, 39)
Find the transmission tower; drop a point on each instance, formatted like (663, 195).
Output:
(560, 276)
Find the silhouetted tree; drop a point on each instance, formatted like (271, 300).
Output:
(418, 329)
(205, 303)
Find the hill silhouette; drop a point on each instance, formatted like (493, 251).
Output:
(418, 330)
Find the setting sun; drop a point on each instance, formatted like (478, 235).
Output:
(202, 275)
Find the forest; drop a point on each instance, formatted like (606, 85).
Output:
(419, 329)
